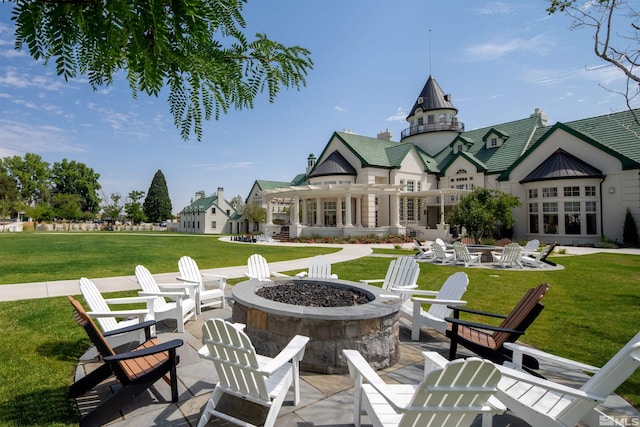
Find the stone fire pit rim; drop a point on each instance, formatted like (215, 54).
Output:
(383, 303)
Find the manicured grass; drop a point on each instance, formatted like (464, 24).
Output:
(591, 309)
(38, 257)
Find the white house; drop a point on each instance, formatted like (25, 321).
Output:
(210, 215)
(575, 179)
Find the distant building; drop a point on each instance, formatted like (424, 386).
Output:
(575, 179)
(210, 215)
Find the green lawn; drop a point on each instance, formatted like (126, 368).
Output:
(592, 308)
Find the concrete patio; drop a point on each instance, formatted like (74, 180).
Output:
(326, 400)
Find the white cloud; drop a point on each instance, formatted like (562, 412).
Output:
(604, 75)
(492, 50)
(497, 8)
(340, 109)
(399, 116)
(21, 80)
(19, 138)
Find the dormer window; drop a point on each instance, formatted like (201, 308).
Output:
(494, 142)
(494, 139)
(420, 100)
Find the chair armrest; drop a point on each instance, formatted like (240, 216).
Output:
(453, 302)
(404, 289)
(412, 291)
(172, 295)
(172, 286)
(137, 326)
(302, 274)
(118, 313)
(128, 300)
(369, 281)
(548, 385)
(158, 348)
(482, 326)
(294, 351)
(184, 279)
(456, 310)
(520, 350)
(360, 370)
(276, 274)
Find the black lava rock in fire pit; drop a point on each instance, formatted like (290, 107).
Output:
(313, 295)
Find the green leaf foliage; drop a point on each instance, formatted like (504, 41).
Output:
(195, 47)
(157, 204)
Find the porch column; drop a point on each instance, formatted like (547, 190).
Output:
(269, 214)
(319, 215)
(296, 210)
(359, 211)
(305, 220)
(441, 207)
(347, 210)
(393, 208)
(338, 211)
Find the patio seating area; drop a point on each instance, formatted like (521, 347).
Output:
(325, 400)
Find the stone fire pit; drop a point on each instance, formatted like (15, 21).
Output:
(371, 328)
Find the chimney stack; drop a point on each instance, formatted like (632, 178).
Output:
(386, 135)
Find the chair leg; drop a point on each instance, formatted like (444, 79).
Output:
(90, 380)
(210, 407)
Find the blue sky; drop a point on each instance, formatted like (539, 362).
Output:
(498, 60)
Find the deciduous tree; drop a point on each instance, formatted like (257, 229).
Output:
(133, 208)
(195, 47)
(71, 177)
(157, 204)
(32, 176)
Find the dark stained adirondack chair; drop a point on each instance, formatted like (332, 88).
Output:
(136, 370)
(488, 341)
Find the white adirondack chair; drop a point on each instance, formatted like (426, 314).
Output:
(424, 252)
(441, 255)
(536, 260)
(320, 268)
(259, 269)
(531, 247)
(509, 257)
(247, 375)
(401, 278)
(453, 395)
(183, 305)
(109, 319)
(542, 402)
(205, 297)
(449, 294)
(463, 255)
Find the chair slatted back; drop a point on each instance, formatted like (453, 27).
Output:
(96, 303)
(468, 241)
(461, 251)
(149, 284)
(402, 273)
(523, 314)
(188, 269)
(453, 288)
(439, 251)
(83, 319)
(258, 267)
(453, 395)
(511, 253)
(320, 268)
(235, 360)
(532, 245)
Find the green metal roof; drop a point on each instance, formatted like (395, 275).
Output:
(374, 152)
(202, 204)
(270, 185)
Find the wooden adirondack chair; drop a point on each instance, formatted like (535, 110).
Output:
(259, 269)
(449, 294)
(183, 305)
(537, 260)
(205, 297)
(464, 256)
(452, 395)
(320, 268)
(110, 320)
(487, 340)
(546, 403)
(441, 255)
(245, 374)
(136, 370)
(424, 252)
(509, 257)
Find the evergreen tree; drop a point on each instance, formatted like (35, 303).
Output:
(630, 230)
(157, 204)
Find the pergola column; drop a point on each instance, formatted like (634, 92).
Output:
(296, 210)
(393, 208)
(305, 220)
(359, 211)
(269, 214)
(338, 211)
(347, 210)
(319, 216)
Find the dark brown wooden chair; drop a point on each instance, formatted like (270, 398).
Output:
(136, 370)
(488, 341)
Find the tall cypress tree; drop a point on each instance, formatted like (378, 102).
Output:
(157, 204)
